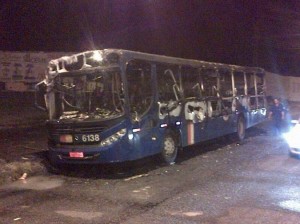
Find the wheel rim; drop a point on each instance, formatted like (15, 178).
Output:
(169, 146)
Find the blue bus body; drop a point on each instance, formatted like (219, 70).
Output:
(178, 103)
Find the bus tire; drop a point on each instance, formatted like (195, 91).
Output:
(241, 129)
(169, 149)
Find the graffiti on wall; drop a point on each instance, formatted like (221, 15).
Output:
(24, 69)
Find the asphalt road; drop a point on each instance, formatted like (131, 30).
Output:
(215, 182)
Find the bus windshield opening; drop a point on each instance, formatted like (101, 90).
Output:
(88, 96)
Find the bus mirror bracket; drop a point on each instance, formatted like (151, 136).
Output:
(38, 91)
(136, 118)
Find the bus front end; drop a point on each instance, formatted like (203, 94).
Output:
(85, 101)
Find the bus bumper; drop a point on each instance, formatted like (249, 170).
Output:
(89, 156)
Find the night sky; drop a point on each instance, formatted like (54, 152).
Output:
(252, 33)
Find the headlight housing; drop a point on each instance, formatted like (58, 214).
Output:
(113, 138)
(66, 138)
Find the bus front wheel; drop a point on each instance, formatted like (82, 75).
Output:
(241, 129)
(169, 149)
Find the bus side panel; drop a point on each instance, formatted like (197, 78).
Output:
(193, 127)
(192, 133)
(255, 117)
(196, 129)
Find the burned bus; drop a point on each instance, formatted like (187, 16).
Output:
(117, 105)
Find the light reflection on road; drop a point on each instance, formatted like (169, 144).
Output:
(292, 205)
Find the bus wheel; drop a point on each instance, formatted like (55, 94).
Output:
(241, 129)
(169, 149)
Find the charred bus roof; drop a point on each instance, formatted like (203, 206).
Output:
(83, 61)
(112, 57)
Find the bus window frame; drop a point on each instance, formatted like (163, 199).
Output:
(251, 92)
(236, 73)
(207, 82)
(186, 80)
(161, 70)
(260, 95)
(134, 116)
(224, 75)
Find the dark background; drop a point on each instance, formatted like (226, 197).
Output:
(252, 33)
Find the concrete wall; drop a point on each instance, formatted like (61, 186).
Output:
(285, 87)
(276, 85)
(294, 89)
(19, 71)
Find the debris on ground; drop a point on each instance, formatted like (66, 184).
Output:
(23, 177)
(137, 176)
(11, 171)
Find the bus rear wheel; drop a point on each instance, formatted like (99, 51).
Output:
(169, 149)
(241, 129)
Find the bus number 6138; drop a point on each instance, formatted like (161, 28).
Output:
(90, 138)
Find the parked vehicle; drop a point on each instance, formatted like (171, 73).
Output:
(292, 137)
(116, 105)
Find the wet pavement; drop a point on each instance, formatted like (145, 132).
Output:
(213, 182)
